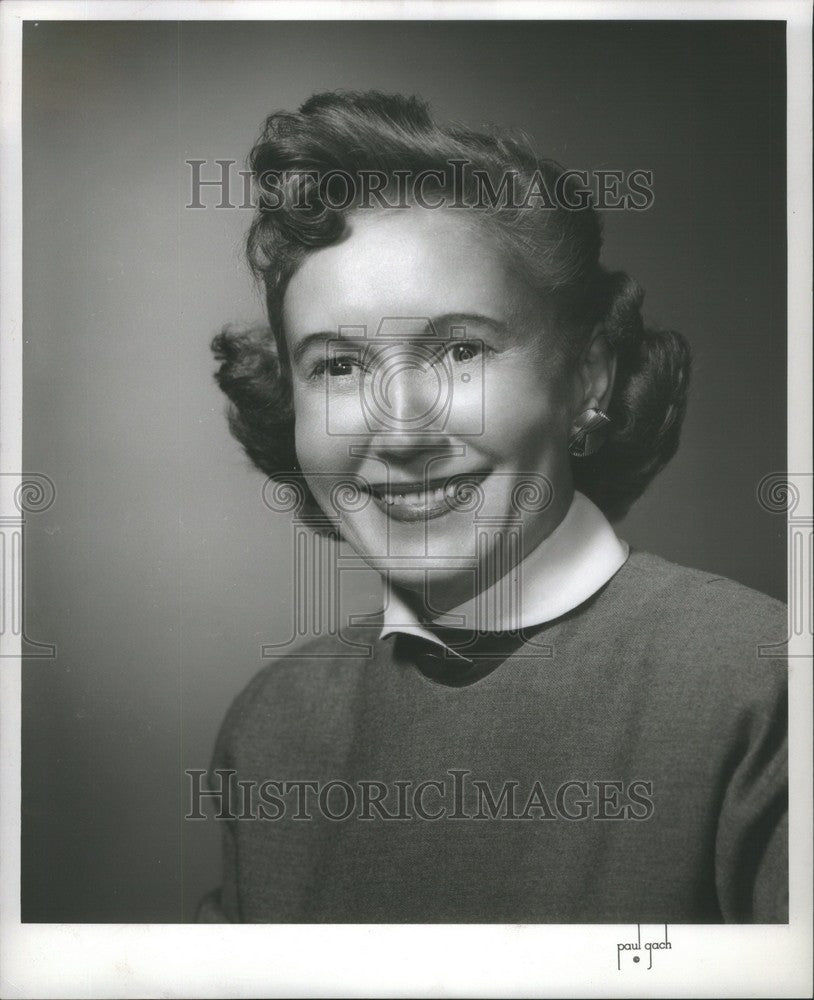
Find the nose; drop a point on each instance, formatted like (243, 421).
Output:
(409, 393)
(407, 405)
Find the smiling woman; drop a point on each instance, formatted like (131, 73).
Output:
(471, 354)
(490, 394)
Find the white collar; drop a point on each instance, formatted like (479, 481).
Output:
(565, 569)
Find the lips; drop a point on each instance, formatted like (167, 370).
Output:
(422, 500)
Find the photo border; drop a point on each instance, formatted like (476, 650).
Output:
(176, 960)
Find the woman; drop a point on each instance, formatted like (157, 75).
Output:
(545, 726)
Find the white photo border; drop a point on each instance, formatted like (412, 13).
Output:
(169, 960)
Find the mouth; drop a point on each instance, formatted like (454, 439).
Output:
(424, 499)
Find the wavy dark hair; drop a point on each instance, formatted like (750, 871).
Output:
(554, 249)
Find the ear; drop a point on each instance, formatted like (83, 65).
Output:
(596, 374)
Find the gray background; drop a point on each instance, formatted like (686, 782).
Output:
(159, 572)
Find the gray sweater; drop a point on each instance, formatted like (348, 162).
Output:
(624, 763)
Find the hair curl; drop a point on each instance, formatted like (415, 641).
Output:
(554, 250)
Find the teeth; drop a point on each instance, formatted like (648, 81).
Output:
(420, 498)
(415, 498)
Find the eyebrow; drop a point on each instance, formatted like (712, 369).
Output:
(435, 322)
(301, 347)
(462, 318)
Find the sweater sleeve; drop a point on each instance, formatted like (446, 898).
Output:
(221, 905)
(752, 838)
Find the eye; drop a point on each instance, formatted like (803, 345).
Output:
(337, 366)
(465, 351)
(342, 365)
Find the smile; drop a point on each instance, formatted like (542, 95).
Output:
(423, 500)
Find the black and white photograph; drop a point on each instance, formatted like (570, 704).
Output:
(406, 499)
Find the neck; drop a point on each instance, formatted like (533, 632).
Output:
(439, 595)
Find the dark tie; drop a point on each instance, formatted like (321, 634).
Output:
(478, 654)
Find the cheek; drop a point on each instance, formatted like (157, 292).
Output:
(319, 457)
(311, 442)
(528, 420)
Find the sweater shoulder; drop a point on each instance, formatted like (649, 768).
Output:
(308, 677)
(665, 582)
(732, 635)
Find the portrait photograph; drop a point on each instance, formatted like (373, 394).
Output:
(406, 500)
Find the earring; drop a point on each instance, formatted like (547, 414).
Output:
(589, 433)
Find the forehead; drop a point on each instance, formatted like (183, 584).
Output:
(400, 263)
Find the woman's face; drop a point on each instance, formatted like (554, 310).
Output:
(413, 362)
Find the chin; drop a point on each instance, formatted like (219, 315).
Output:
(411, 580)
